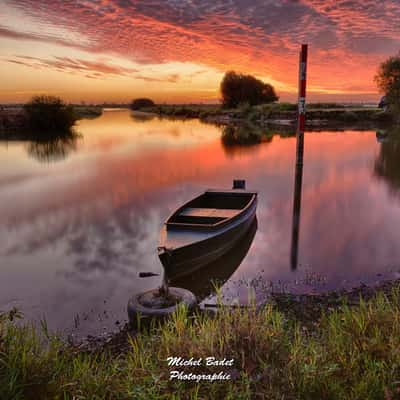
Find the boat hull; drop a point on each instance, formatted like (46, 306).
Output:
(202, 282)
(186, 259)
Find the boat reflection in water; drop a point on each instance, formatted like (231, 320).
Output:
(203, 281)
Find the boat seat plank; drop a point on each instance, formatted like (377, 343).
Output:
(209, 212)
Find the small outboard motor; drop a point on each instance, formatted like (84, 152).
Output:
(239, 184)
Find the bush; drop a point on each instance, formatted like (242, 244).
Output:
(388, 82)
(239, 88)
(138, 104)
(49, 114)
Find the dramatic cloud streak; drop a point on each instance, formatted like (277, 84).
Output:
(91, 69)
(347, 38)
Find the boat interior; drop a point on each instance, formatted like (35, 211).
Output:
(211, 208)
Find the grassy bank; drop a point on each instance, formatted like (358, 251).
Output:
(347, 352)
(317, 113)
(87, 111)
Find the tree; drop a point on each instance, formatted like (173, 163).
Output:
(137, 104)
(388, 82)
(239, 88)
(49, 114)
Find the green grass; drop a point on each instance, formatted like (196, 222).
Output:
(185, 110)
(333, 112)
(351, 353)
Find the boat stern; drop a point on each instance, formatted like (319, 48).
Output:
(164, 255)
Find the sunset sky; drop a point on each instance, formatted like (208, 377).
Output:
(178, 50)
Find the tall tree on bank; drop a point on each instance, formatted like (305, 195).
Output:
(388, 81)
(137, 104)
(239, 88)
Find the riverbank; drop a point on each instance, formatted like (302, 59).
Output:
(346, 348)
(14, 122)
(323, 115)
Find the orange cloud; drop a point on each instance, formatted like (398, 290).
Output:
(348, 39)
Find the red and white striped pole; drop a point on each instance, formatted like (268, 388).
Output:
(301, 119)
(298, 180)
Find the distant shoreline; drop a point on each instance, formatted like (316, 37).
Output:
(319, 115)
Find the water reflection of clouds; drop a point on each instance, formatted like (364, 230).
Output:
(139, 137)
(88, 259)
(112, 181)
(347, 227)
(87, 226)
(120, 242)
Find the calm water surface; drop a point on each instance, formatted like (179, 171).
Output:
(80, 220)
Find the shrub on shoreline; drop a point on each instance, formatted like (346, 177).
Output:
(49, 114)
(138, 104)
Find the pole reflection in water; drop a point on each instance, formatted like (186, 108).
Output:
(298, 181)
(203, 281)
(299, 156)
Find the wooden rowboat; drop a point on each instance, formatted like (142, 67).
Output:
(205, 228)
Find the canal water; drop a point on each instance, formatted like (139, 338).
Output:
(79, 220)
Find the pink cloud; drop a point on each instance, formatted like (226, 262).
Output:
(91, 69)
(348, 39)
